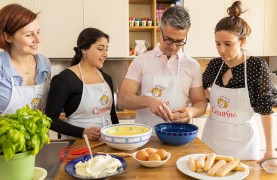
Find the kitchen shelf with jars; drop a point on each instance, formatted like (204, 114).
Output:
(144, 18)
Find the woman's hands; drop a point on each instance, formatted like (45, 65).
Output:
(267, 155)
(93, 133)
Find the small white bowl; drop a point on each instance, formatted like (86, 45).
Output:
(270, 165)
(39, 173)
(152, 163)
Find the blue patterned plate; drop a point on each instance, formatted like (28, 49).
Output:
(70, 166)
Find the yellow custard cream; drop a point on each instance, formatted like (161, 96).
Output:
(97, 167)
(127, 130)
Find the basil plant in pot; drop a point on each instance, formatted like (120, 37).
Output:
(22, 135)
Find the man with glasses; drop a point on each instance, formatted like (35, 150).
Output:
(164, 84)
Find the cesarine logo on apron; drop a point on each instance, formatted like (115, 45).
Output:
(104, 99)
(223, 103)
(36, 102)
(157, 91)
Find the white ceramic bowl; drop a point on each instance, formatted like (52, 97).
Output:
(270, 165)
(152, 163)
(126, 136)
(39, 173)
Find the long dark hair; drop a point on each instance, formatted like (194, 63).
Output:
(234, 23)
(85, 39)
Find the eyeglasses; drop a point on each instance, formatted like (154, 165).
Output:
(170, 41)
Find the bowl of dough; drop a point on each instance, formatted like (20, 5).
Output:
(126, 136)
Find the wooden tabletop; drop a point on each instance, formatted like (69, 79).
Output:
(168, 170)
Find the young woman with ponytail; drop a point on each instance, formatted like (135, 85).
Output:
(240, 87)
(83, 90)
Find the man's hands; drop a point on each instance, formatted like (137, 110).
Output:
(160, 109)
(180, 115)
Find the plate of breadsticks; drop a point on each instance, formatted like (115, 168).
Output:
(212, 166)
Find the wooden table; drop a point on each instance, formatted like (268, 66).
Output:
(167, 171)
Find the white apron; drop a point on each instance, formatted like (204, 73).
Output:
(35, 96)
(164, 87)
(231, 129)
(95, 106)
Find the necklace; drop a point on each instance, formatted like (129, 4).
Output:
(26, 72)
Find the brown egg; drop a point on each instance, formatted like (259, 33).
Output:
(154, 157)
(151, 150)
(162, 153)
(142, 155)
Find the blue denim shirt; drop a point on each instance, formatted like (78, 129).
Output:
(7, 71)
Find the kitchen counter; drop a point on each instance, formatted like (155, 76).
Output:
(132, 113)
(126, 114)
(47, 157)
(167, 171)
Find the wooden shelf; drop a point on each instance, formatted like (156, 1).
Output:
(142, 28)
(148, 33)
(145, 8)
(139, 1)
(164, 1)
(148, 1)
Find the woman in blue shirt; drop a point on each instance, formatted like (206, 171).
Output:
(24, 73)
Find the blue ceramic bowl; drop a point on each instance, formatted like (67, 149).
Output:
(176, 134)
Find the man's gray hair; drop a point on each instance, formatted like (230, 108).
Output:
(176, 16)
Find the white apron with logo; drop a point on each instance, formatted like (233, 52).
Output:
(95, 106)
(35, 96)
(163, 86)
(231, 129)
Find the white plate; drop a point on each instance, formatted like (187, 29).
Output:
(182, 165)
(39, 173)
